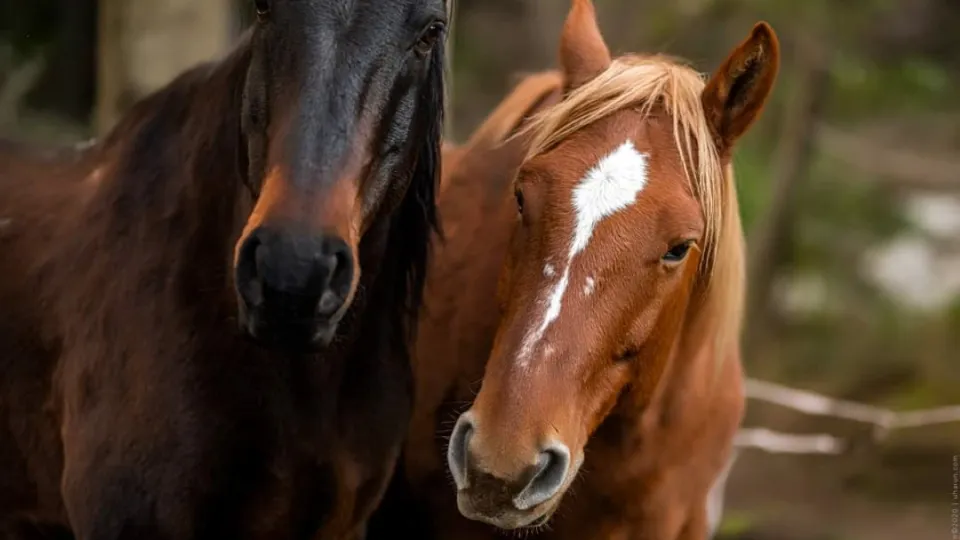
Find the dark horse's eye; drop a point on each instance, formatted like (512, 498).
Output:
(518, 195)
(263, 8)
(429, 38)
(678, 252)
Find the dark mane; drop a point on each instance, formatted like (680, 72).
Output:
(416, 220)
(179, 129)
(168, 164)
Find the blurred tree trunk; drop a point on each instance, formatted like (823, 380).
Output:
(773, 230)
(144, 44)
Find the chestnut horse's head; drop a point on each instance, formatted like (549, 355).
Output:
(627, 234)
(342, 109)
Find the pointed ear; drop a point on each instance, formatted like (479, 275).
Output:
(738, 90)
(583, 53)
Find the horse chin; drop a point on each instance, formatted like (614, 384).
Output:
(297, 337)
(324, 334)
(541, 521)
(533, 519)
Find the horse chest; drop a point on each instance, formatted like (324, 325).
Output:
(329, 471)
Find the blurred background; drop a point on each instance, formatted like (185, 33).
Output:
(849, 185)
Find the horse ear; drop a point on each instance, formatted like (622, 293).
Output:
(583, 53)
(738, 90)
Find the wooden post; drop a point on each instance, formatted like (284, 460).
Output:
(144, 44)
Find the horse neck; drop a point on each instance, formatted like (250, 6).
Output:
(167, 208)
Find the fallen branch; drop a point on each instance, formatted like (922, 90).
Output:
(783, 443)
(883, 420)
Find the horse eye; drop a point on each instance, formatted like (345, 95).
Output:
(678, 252)
(429, 38)
(518, 194)
(262, 7)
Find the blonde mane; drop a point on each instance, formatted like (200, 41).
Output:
(647, 81)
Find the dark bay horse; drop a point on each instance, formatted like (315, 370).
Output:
(592, 277)
(288, 191)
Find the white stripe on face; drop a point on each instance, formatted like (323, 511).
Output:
(610, 186)
(588, 286)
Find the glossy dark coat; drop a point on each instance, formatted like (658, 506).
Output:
(131, 406)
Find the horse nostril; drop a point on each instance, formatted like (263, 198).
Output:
(329, 303)
(247, 276)
(551, 474)
(457, 450)
(336, 263)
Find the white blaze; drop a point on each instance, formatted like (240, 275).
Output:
(588, 286)
(610, 186)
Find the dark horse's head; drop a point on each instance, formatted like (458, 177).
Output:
(342, 109)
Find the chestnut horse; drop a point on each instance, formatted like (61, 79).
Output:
(288, 190)
(593, 277)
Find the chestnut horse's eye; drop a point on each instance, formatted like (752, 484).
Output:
(262, 7)
(678, 252)
(518, 194)
(429, 38)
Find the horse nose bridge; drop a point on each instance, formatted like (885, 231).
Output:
(327, 176)
(508, 431)
(522, 394)
(581, 329)
(328, 126)
(335, 206)
(556, 320)
(309, 205)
